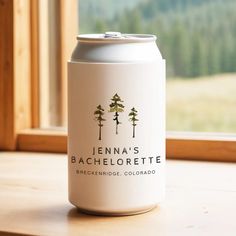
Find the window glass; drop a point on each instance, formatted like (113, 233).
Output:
(197, 39)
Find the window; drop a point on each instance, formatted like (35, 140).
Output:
(200, 59)
(199, 48)
(34, 51)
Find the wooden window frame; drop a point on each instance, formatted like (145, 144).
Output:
(19, 89)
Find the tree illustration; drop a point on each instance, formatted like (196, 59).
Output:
(133, 118)
(116, 106)
(99, 118)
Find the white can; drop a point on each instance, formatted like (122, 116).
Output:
(116, 124)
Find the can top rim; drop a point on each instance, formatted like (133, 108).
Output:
(116, 38)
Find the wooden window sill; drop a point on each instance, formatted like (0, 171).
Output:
(179, 145)
(33, 200)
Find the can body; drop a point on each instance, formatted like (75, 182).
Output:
(116, 124)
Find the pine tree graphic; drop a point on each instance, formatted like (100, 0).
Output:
(99, 118)
(116, 106)
(133, 114)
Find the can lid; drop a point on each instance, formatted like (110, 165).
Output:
(112, 35)
(116, 37)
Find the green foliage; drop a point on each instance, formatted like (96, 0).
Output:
(206, 104)
(99, 112)
(196, 37)
(133, 114)
(116, 106)
(133, 118)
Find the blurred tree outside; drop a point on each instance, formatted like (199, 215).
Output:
(197, 39)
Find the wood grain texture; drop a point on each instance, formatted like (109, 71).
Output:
(44, 89)
(34, 52)
(42, 141)
(15, 102)
(7, 134)
(200, 200)
(202, 146)
(22, 65)
(69, 21)
(55, 89)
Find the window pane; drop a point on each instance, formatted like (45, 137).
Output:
(197, 39)
(56, 39)
(49, 73)
(198, 45)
